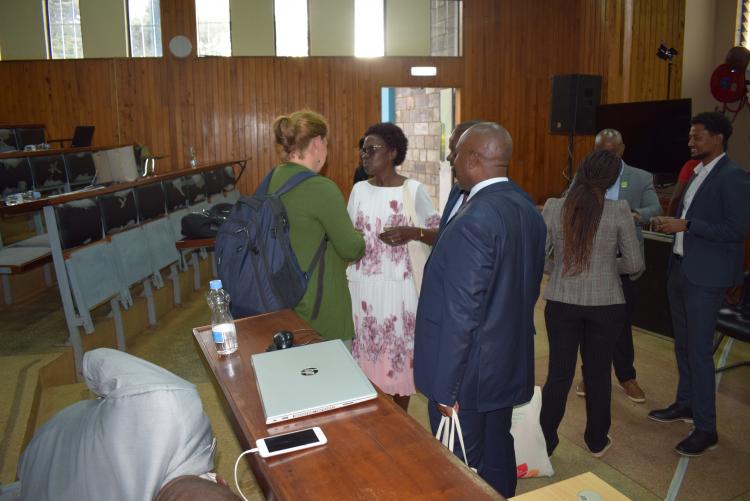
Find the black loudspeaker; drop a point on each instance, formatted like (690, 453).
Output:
(573, 104)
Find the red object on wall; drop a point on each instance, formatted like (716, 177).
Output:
(727, 84)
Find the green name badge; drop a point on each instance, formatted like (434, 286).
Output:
(623, 184)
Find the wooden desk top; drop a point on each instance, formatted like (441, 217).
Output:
(35, 205)
(568, 489)
(374, 451)
(195, 243)
(57, 151)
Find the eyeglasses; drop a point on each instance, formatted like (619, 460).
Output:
(370, 150)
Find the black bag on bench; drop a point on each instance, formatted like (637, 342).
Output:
(205, 224)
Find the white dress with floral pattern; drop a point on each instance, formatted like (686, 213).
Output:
(384, 297)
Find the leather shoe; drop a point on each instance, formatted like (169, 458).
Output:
(633, 391)
(697, 443)
(672, 413)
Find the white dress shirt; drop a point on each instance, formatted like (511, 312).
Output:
(701, 173)
(474, 190)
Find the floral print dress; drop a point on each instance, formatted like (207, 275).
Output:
(384, 297)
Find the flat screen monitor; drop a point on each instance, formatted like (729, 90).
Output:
(655, 134)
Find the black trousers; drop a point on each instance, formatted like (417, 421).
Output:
(595, 329)
(624, 354)
(694, 311)
(489, 445)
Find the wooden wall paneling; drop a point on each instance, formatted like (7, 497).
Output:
(225, 106)
(654, 22)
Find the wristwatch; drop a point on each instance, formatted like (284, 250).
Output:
(421, 234)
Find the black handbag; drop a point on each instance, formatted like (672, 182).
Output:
(205, 223)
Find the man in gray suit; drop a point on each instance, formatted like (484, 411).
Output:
(637, 187)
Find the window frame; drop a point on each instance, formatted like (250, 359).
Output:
(48, 30)
(129, 27)
(276, 31)
(198, 32)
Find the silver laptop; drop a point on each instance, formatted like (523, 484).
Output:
(308, 379)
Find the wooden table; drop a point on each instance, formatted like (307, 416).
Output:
(568, 490)
(374, 451)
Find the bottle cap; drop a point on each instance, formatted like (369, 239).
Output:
(215, 284)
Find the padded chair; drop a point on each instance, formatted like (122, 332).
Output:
(134, 265)
(175, 195)
(151, 202)
(214, 181)
(734, 322)
(49, 173)
(7, 140)
(119, 211)
(15, 176)
(94, 280)
(80, 169)
(79, 223)
(225, 177)
(194, 188)
(26, 137)
(163, 253)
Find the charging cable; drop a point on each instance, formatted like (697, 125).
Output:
(236, 463)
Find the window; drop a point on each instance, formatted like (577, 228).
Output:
(144, 21)
(369, 28)
(291, 28)
(64, 25)
(744, 24)
(214, 27)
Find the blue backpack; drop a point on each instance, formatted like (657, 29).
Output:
(254, 257)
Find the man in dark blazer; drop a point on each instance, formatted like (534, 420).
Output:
(474, 340)
(455, 197)
(708, 255)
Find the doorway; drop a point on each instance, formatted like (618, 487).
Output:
(427, 116)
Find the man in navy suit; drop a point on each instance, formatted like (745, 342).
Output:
(455, 197)
(474, 340)
(707, 259)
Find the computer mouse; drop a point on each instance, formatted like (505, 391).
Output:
(283, 340)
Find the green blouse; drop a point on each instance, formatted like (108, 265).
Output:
(316, 207)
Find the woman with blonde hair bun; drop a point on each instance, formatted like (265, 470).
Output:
(316, 209)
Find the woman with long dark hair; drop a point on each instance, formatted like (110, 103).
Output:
(591, 241)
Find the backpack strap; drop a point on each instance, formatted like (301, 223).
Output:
(263, 187)
(293, 182)
(318, 259)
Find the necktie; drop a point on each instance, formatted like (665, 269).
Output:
(464, 199)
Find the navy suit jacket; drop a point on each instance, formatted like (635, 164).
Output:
(456, 194)
(719, 217)
(474, 339)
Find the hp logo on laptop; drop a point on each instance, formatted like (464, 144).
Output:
(310, 371)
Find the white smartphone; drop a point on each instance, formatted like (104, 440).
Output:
(290, 442)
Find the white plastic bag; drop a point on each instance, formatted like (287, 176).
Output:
(447, 430)
(531, 449)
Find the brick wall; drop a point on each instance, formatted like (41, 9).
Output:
(445, 20)
(418, 114)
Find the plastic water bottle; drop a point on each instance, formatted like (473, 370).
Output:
(222, 323)
(193, 159)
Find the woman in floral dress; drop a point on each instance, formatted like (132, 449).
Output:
(393, 213)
